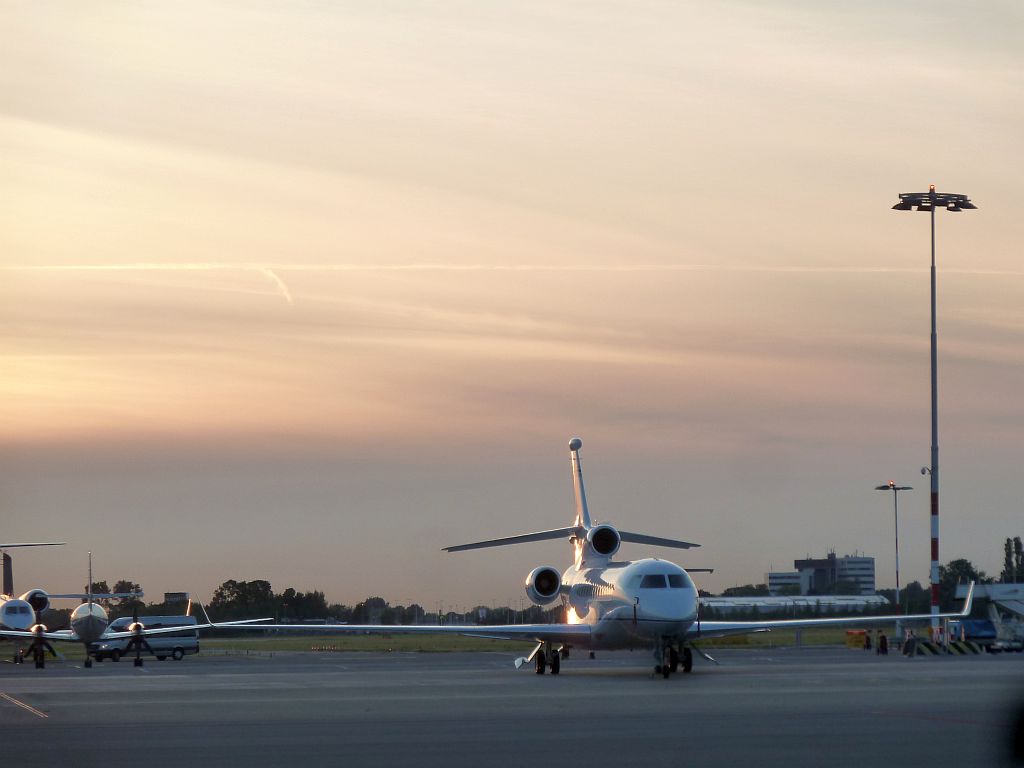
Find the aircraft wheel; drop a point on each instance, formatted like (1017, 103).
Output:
(687, 660)
(178, 654)
(541, 663)
(88, 663)
(40, 664)
(161, 658)
(673, 660)
(115, 655)
(138, 662)
(556, 663)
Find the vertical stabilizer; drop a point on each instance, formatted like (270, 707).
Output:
(8, 575)
(582, 513)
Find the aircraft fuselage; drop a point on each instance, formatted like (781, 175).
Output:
(630, 604)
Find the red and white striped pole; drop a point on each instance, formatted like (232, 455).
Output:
(929, 202)
(934, 470)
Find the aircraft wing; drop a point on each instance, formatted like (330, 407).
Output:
(65, 635)
(723, 628)
(183, 628)
(563, 633)
(96, 595)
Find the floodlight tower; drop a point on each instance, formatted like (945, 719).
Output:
(891, 486)
(930, 201)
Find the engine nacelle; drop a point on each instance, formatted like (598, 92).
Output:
(38, 599)
(604, 540)
(543, 585)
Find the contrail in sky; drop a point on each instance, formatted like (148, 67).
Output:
(281, 285)
(273, 270)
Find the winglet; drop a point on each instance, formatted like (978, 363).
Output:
(582, 513)
(968, 601)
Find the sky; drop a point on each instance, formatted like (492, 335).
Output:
(305, 292)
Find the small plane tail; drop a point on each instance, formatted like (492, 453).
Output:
(8, 575)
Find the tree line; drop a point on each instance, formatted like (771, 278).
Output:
(256, 599)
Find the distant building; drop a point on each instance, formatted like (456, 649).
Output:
(777, 605)
(175, 597)
(819, 576)
(787, 582)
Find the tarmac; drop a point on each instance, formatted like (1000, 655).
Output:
(787, 707)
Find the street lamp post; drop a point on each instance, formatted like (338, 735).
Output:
(891, 486)
(929, 201)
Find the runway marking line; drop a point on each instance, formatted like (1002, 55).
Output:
(23, 705)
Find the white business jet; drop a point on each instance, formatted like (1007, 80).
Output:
(610, 604)
(20, 612)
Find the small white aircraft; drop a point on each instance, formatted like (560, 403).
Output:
(20, 612)
(610, 604)
(88, 621)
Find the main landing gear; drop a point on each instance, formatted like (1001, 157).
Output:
(546, 656)
(670, 657)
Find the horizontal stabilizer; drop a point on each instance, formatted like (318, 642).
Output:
(557, 533)
(658, 541)
(34, 544)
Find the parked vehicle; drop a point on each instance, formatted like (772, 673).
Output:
(174, 644)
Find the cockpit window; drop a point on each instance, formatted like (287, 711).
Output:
(653, 581)
(675, 580)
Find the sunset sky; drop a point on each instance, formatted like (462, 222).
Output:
(307, 291)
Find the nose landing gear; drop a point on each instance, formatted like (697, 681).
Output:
(670, 657)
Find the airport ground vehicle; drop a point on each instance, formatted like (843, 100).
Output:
(173, 644)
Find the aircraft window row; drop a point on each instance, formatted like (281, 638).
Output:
(675, 580)
(11, 610)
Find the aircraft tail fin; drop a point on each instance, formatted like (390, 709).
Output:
(582, 519)
(582, 525)
(8, 575)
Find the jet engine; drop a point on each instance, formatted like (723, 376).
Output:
(543, 585)
(38, 599)
(604, 540)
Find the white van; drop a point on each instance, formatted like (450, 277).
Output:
(173, 644)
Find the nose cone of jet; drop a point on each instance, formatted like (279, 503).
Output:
(17, 614)
(89, 621)
(670, 606)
